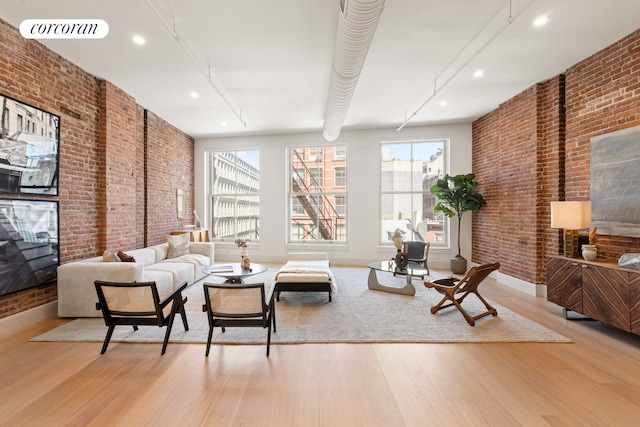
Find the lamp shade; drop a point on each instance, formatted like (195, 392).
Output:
(571, 215)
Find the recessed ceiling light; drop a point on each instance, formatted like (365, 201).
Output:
(139, 40)
(223, 123)
(195, 95)
(443, 103)
(540, 21)
(478, 73)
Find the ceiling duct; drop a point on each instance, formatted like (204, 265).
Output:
(357, 24)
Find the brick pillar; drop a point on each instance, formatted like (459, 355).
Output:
(118, 170)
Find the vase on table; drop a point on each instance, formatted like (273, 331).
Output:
(246, 264)
(589, 252)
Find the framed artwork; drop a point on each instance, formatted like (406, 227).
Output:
(29, 243)
(615, 179)
(29, 149)
(181, 203)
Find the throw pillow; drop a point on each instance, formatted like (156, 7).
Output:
(125, 258)
(108, 256)
(178, 245)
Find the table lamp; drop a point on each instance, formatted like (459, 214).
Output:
(571, 216)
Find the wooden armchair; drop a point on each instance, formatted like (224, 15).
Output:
(137, 304)
(244, 305)
(464, 287)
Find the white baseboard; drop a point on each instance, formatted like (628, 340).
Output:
(536, 290)
(29, 317)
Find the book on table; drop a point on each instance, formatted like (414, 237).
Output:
(221, 268)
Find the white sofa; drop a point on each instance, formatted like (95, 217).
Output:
(76, 290)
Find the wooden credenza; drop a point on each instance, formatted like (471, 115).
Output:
(598, 289)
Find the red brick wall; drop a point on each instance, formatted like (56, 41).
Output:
(535, 148)
(603, 95)
(552, 117)
(505, 161)
(119, 178)
(103, 194)
(141, 196)
(169, 167)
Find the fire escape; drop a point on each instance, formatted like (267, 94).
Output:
(320, 219)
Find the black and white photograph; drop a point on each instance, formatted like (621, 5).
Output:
(29, 141)
(29, 243)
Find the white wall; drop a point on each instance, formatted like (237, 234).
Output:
(363, 183)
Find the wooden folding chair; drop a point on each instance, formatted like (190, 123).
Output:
(464, 287)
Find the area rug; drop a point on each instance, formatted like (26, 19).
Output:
(356, 315)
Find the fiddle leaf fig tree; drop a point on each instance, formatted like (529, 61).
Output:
(457, 195)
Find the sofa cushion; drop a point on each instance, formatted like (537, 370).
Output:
(181, 271)
(161, 251)
(163, 279)
(198, 261)
(145, 256)
(178, 245)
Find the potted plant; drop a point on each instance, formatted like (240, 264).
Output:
(457, 195)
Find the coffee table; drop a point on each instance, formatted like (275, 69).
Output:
(389, 266)
(233, 271)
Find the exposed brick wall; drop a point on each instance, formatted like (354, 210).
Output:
(119, 150)
(30, 73)
(535, 148)
(102, 191)
(505, 161)
(169, 167)
(552, 118)
(141, 196)
(486, 243)
(603, 96)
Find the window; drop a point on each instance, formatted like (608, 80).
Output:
(234, 178)
(317, 193)
(340, 177)
(407, 170)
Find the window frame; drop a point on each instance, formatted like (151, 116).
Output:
(317, 160)
(232, 195)
(444, 241)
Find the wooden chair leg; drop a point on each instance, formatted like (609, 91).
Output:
(470, 320)
(490, 308)
(272, 314)
(107, 338)
(206, 353)
(183, 313)
(447, 297)
(268, 335)
(172, 316)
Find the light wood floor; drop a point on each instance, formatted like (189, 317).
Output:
(593, 381)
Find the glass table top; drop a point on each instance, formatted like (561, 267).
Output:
(413, 268)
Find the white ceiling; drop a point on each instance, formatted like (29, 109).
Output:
(273, 58)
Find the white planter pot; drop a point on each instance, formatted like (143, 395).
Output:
(589, 252)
